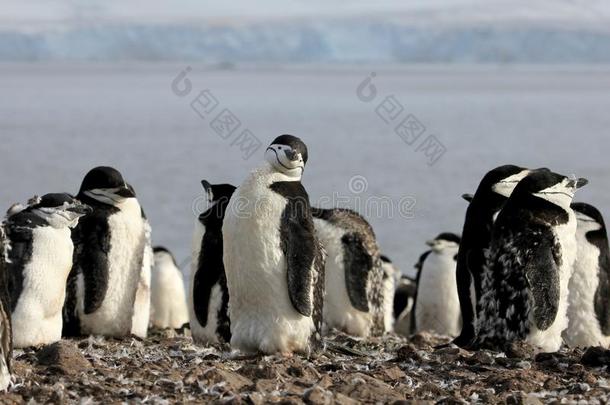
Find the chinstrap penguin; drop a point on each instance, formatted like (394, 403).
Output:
(354, 273)
(6, 335)
(493, 191)
(208, 295)
(404, 301)
(273, 260)
(437, 307)
(589, 296)
(39, 262)
(391, 278)
(529, 264)
(168, 302)
(109, 252)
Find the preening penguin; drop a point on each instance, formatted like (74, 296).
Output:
(437, 306)
(6, 335)
(532, 252)
(273, 260)
(354, 303)
(589, 291)
(109, 251)
(493, 191)
(168, 303)
(39, 262)
(208, 295)
(404, 301)
(141, 308)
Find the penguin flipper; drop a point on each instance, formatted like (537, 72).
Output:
(358, 266)
(93, 262)
(542, 274)
(602, 299)
(298, 244)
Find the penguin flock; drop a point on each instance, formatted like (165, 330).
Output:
(272, 274)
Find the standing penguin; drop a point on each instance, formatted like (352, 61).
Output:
(6, 335)
(589, 297)
(109, 250)
(208, 295)
(354, 273)
(404, 301)
(530, 261)
(168, 298)
(437, 306)
(38, 265)
(273, 260)
(141, 307)
(492, 193)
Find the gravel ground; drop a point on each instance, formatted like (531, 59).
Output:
(169, 368)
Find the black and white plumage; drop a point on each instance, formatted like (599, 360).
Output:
(273, 260)
(404, 300)
(208, 296)
(436, 307)
(493, 191)
(354, 302)
(109, 251)
(589, 297)
(38, 265)
(529, 264)
(168, 298)
(6, 335)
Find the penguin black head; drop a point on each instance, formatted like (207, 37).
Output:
(502, 180)
(443, 241)
(162, 253)
(589, 218)
(106, 185)
(218, 192)
(60, 209)
(288, 155)
(552, 187)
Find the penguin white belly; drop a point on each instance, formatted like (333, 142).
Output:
(37, 318)
(438, 306)
(583, 328)
(114, 317)
(550, 340)
(261, 312)
(389, 288)
(142, 304)
(168, 298)
(339, 313)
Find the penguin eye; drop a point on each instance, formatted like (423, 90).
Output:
(279, 147)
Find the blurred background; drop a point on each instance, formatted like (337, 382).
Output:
(405, 102)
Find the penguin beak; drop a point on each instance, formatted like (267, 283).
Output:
(125, 193)
(291, 154)
(578, 183)
(468, 197)
(431, 243)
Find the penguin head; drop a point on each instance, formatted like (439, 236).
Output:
(552, 187)
(163, 256)
(106, 185)
(504, 179)
(390, 272)
(60, 209)
(217, 192)
(444, 241)
(589, 218)
(287, 154)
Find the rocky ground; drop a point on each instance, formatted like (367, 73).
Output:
(167, 368)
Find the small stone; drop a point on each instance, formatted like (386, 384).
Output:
(481, 358)
(317, 395)
(519, 350)
(63, 356)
